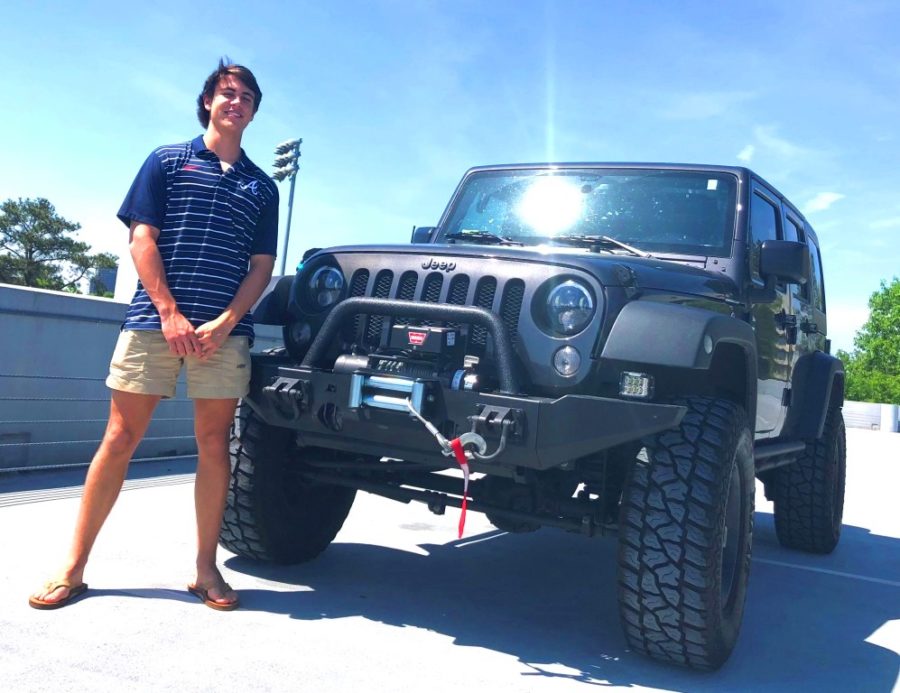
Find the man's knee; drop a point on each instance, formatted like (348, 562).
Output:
(212, 440)
(121, 439)
(212, 423)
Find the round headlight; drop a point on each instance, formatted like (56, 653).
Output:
(567, 360)
(569, 307)
(325, 286)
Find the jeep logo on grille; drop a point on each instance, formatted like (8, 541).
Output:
(443, 265)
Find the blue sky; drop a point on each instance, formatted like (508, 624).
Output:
(396, 99)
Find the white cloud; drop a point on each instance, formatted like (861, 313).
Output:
(746, 154)
(771, 142)
(822, 201)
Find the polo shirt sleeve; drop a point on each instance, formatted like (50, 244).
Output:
(145, 202)
(265, 240)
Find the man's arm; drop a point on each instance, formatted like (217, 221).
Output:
(214, 333)
(176, 328)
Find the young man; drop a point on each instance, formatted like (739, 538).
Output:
(203, 234)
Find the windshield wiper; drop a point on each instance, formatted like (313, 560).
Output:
(481, 237)
(598, 241)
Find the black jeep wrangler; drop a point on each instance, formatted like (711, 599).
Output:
(608, 348)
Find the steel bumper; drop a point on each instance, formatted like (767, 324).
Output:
(366, 414)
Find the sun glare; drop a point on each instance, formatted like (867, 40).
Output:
(550, 205)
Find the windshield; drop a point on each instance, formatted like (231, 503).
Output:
(657, 211)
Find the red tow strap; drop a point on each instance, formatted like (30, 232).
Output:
(460, 455)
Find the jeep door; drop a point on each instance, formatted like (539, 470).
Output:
(808, 299)
(773, 321)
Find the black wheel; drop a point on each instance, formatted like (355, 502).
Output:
(685, 528)
(809, 494)
(271, 513)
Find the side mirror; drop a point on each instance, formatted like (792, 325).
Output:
(786, 261)
(422, 234)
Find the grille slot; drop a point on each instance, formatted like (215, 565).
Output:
(357, 288)
(382, 289)
(484, 298)
(457, 294)
(431, 292)
(511, 306)
(406, 290)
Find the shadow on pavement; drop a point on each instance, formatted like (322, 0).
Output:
(549, 599)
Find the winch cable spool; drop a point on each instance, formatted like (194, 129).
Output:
(456, 448)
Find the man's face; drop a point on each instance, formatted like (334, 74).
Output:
(231, 106)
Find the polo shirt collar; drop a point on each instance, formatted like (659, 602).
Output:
(198, 147)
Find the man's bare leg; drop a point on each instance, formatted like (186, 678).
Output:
(129, 416)
(212, 423)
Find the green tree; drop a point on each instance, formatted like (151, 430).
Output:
(873, 368)
(37, 248)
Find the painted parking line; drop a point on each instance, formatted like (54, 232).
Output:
(825, 571)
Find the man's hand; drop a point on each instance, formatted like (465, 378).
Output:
(180, 335)
(211, 335)
(176, 328)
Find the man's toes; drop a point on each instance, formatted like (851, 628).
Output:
(223, 597)
(57, 594)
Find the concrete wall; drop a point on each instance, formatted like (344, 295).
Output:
(875, 417)
(54, 357)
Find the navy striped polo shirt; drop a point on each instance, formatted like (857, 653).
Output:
(209, 222)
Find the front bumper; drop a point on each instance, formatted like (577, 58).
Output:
(327, 410)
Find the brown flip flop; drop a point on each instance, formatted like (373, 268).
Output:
(74, 591)
(203, 595)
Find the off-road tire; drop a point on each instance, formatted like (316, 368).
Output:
(685, 529)
(809, 494)
(271, 513)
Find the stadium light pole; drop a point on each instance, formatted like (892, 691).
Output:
(287, 155)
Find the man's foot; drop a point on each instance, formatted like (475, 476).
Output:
(57, 593)
(221, 599)
(214, 592)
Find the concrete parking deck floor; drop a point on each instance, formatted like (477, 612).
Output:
(397, 604)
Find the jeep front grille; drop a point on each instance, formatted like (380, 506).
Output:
(432, 287)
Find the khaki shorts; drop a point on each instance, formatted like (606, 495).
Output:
(143, 364)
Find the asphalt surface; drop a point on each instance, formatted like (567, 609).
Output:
(398, 604)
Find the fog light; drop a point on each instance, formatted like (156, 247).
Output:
(638, 385)
(567, 360)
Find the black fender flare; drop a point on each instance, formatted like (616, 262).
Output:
(673, 335)
(272, 308)
(817, 384)
(678, 336)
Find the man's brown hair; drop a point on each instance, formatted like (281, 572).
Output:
(226, 67)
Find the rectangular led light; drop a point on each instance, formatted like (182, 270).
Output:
(639, 385)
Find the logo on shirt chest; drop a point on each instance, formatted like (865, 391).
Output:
(252, 186)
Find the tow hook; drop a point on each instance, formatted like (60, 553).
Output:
(489, 419)
(289, 395)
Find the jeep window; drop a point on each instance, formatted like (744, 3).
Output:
(816, 283)
(657, 211)
(763, 226)
(793, 231)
